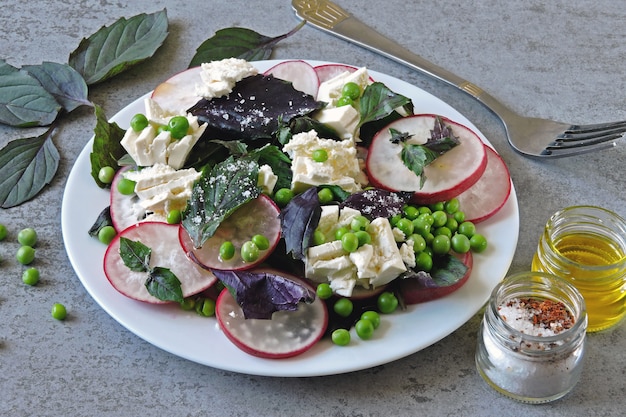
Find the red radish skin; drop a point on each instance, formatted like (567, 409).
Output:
(413, 294)
(301, 74)
(287, 334)
(487, 196)
(259, 216)
(447, 176)
(166, 253)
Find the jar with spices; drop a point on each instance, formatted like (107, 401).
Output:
(586, 246)
(531, 342)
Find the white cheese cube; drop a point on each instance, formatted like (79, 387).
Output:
(330, 90)
(343, 120)
(386, 257)
(219, 77)
(267, 179)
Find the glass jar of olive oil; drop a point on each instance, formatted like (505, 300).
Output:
(586, 245)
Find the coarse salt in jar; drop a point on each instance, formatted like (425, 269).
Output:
(531, 342)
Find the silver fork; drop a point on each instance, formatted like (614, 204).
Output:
(541, 138)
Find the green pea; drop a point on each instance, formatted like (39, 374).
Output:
(452, 206)
(421, 226)
(106, 174)
(437, 206)
(261, 242)
(406, 227)
(363, 237)
(3, 232)
(423, 261)
(325, 196)
(387, 302)
(372, 316)
(410, 212)
(452, 224)
(227, 250)
(340, 337)
(441, 244)
(205, 307)
(25, 255)
(352, 90)
(467, 228)
(188, 304)
(174, 216)
(249, 251)
(283, 196)
(58, 311)
(393, 221)
(324, 291)
(27, 237)
(359, 223)
(425, 210)
(460, 243)
(30, 276)
(126, 186)
(419, 243)
(340, 232)
(344, 101)
(178, 126)
(139, 122)
(427, 217)
(318, 238)
(349, 242)
(459, 216)
(364, 329)
(478, 243)
(440, 218)
(343, 307)
(106, 234)
(319, 155)
(443, 230)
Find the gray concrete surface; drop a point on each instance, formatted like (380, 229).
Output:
(556, 59)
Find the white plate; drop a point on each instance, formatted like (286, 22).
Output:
(198, 339)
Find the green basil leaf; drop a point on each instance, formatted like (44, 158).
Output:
(416, 157)
(217, 194)
(106, 148)
(164, 285)
(26, 166)
(114, 49)
(103, 220)
(65, 84)
(23, 101)
(135, 255)
(378, 101)
(237, 43)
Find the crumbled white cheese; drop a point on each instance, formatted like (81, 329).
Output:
(342, 167)
(330, 90)
(219, 77)
(160, 188)
(148, 147)
(371, 265)
(267, 179)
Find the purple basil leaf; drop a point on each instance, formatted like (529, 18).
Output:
(298, 221)
(375, 202)
(260, 294)
(448, 270)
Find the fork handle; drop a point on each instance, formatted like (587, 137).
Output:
(355, 31)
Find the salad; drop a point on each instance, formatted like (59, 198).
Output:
(225, 186)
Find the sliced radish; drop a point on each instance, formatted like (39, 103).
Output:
(483, 199)
(177, 94)
(327, 71)
(413, 293)
(124, 211)
(447, 176)
(162, 239)
(257, 217)
(301, 74)
(287, 334)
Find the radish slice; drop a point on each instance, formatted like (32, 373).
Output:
(257, 217)
(413, 294)
(301, 74)
(287, 334)
(487, 196)
(123, 209)
(327, 71)
(166, 253)
(447, 176)
(177, 94)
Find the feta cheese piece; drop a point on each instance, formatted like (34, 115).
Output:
(407, 253)
(342, 120)
(149, 147)
(267, 179)
(342, 167)
(330, 90)
(160, 188)
(219, 77)
(387, 259)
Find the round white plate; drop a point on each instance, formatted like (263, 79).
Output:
(198, 339)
